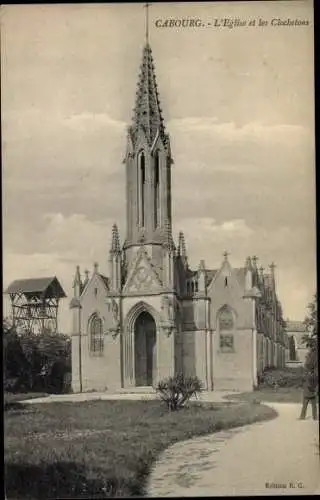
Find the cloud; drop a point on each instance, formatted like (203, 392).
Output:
(230, 131)
(90, 122)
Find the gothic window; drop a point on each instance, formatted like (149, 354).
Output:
(141, 185)
(96, 336)
(156, 190)
(226, 281)
(188, 287)
(95, 292)
(225, 319)
(192, 287)
(196, 283)
(226, 343)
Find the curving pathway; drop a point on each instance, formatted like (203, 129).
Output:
(277, 457)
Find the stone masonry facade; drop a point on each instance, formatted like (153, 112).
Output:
(154, 316)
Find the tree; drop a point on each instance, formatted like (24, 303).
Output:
(35, 361)
(311, 338)
(16, 367)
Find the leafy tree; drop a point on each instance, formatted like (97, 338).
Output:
(311, 338)
(37, 361)
(15, 363)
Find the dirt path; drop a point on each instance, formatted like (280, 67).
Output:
(280, 456)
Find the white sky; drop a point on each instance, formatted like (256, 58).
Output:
(239, 107)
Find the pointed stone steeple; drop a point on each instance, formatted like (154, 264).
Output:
(147, 113)
(272, 275)
(86, 279)
(202, 277)
(115, 260)
(77, 283)
(248, 263)
(148, 163)
(249, 276)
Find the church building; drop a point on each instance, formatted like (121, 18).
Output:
(153, 316)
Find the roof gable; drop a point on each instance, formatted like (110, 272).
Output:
(103, 280)
(49, 286)
(143, 276)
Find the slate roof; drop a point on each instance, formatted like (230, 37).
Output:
(104, 279)
(49, 286)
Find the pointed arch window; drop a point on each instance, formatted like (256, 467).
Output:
(225, 319)
(156, 189)
(141, 188)
(226, 324)
(96, 336)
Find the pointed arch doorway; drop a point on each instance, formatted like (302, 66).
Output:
(145, 350)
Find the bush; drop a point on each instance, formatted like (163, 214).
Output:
(285, 377)
(176, 391)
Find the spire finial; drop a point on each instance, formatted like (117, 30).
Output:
(146, 6)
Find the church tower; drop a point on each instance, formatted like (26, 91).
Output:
(148, 163)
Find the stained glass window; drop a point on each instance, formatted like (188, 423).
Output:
(96, 335)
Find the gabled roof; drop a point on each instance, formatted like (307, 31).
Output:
(47, 286)
(210, 274)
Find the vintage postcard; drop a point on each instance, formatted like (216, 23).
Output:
(160, 305)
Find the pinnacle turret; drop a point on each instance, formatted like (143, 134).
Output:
(147, 112)
(115, 241)
(182, 245)
(77, 278)
(169, 239)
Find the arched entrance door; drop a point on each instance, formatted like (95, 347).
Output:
(145, 349)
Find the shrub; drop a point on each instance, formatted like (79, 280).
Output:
(285, 377)
(176, 391)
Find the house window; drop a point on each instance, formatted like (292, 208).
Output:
(96, 336)
(225, 319)
(226, 343)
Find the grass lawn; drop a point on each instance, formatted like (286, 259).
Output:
(97, 449)
(280, 395)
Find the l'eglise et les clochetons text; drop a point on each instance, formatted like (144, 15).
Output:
(227, 22)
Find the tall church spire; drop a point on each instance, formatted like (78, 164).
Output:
(148, 166)
(147, 111)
